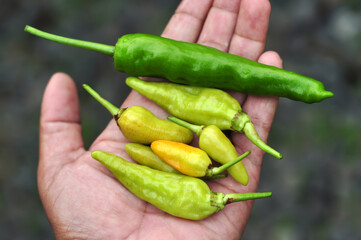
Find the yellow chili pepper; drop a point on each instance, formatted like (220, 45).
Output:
(213, 141)
(189, 160)
(140, 125)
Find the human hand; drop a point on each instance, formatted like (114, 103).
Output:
(83, 200)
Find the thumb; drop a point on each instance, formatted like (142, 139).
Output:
(60, 130)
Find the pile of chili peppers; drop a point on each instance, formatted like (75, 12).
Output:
(168, 167)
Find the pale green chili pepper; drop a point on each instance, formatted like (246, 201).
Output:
(140, 125)
(144, 155)
(199, 105)
(176, 194)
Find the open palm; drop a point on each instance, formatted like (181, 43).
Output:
(81, 198)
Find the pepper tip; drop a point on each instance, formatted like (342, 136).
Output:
(94, 154)
(328, 94)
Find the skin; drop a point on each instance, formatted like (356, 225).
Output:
(83, 200)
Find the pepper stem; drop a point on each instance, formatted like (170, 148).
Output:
(194, 128)
(237, 197)
(252, 135)
(98, 47)
(111, 108)
(214, 176)
(218, 170)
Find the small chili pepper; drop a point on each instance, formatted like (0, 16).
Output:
(213, 141)
(199, 105)
(144, 155)
(194, 64)
(140, 125)
(177, 194)
(190, 160)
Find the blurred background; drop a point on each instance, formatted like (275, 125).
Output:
(317, 186)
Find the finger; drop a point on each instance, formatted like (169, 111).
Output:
(187, 21)
(219, 25)
(60, 129)
(185, 25)
(251, 30)
(262, 111)
(249, 37)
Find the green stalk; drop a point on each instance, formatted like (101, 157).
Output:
(253, 136)
(218, 170)
(214, 176)
(111, 108)
(237, 197)
(98, 47)
(242, 123)
(194, 128)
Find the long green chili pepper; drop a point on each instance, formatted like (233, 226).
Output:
(176, 194)
(194, 64)
(218, 146)
(199, 105)
(140, 125)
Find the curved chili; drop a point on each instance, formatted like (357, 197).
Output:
(199, 105)
(177, 194)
